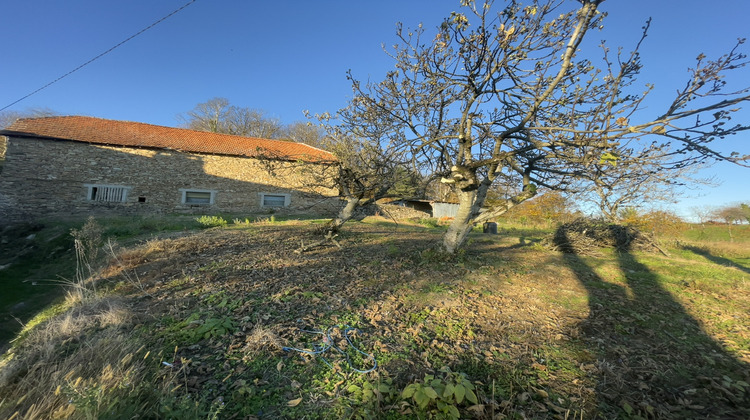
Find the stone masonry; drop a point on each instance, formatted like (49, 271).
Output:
(48, 178)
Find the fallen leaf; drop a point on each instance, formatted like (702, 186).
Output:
(538, 366)
(294, 403)
(477, 409)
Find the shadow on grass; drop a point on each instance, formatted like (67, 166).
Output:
(653, 359)
(33, 261)
(714, 258)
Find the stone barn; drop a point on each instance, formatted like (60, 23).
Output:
(73, 165)
(431, 208)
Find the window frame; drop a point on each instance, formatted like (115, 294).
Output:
(184, 192)
(93, 192)
(263, 195)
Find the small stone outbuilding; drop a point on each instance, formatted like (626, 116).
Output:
(432, 208)
(77, 165)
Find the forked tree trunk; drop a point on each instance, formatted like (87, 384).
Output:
(462, 223)
(330, 230)
(470, 213)
(344, 215)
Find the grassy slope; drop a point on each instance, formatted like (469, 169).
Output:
(29, 254)
(39, 263)
(536, 333)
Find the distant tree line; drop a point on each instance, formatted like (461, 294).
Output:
(218, 115)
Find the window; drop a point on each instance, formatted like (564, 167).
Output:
(274, 200)
(191, 196)
(107, 193)
(197, 197)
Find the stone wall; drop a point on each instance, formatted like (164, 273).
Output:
(3, 142)
(391, 211)
(51, 177)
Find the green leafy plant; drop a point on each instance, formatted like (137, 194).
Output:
(193, 329)
(441, 397)
(372, 398)
(211, 221)
(221, 300)
(215, 327)
(369, 393)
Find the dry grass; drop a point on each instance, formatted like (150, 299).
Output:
(724, 249)
(261, 339)
(84, 353)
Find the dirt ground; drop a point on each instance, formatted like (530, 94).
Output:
(541, 334)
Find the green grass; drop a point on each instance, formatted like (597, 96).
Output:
(44, 264)
(125, 228)
(33, 279)
(717, 233)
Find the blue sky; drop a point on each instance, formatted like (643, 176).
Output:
(288, 56)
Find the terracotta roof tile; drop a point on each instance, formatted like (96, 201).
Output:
(134, 134)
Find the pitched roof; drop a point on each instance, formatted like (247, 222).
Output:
(134, 134)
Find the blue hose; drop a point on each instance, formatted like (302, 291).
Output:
(328, 344)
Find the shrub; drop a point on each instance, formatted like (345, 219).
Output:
(660, 222)
(429, 222)
(211, 221)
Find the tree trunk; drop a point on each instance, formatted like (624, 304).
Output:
(330, 229)
(470, 212)
(344, 215)
(462, 224)
(729, 227)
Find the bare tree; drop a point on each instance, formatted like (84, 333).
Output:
(365, 168)
(703, 214)
(369, 165)
(253, 123)
(635, 179)
(208, 116)
(305, 132)
(217, 115)
(8, 117)
(503, 96)
(730, 215)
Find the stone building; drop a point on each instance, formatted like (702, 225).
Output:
(76, 165)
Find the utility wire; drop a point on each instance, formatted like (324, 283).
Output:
(100, 55)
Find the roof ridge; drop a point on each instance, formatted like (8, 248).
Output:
(140, 134)
(162, 126)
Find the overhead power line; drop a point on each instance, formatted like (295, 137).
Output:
(100, 55)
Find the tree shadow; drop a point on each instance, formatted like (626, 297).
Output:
(715, 258)
(654, 359)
